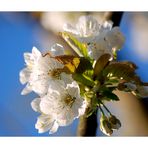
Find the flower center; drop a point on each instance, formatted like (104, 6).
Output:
(68, 100)
(54, 73)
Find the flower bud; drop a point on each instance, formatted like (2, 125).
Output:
(115, 123)
(121, 86)
(143, 91)
(87, 88)
(105, 126)
(130, 86)
(89, 94)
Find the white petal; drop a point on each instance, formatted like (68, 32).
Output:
(87, 26)
(40, 86)
(35, 104)
(69, 28)
(54, 64)
(88, 39)
(100, 47)
(115, 38)
(25, 75)
(54, 128)
(57, 86)
(65, 117)
(26, 90)
(36, 53)
(28, 58)
(44, 123)
(79, 107)
(73, 89)
(50, 103)
(82, 109)
(108, 25)
(67, 78)
(46, 105)
(57, 50)
(44, 64)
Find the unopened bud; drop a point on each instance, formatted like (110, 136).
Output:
(130, 86)
(143, 91)
(105, 126)
(121, 86)
(115, 123)
(87, 88)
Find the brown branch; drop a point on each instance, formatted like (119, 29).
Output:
(88, 126)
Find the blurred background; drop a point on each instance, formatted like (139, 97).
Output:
(19, 32)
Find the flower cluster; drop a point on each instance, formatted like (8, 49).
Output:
(69, 86)
(60, 101)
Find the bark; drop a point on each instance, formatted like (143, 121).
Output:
(88, 126)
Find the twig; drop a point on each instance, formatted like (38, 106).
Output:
(88, 126)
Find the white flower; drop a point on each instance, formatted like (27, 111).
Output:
(101, 38)
(63, 101)
(62, 105)
(35, 104)
(46, 123)
(40, 71)
(87, 26)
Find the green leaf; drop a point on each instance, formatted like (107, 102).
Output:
(131, 64)
(82, 89)
(121, 70)
(89, 73)
(84, 65)
(78, 47)
(101, 63)
(83, 79)
(110, 96)
(104, 88)
(112, 81)
(115, 54)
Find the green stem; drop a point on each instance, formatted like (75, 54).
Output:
(101, 110)
(105, 107)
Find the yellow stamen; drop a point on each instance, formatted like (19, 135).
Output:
(55, 73)
(69, 100)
